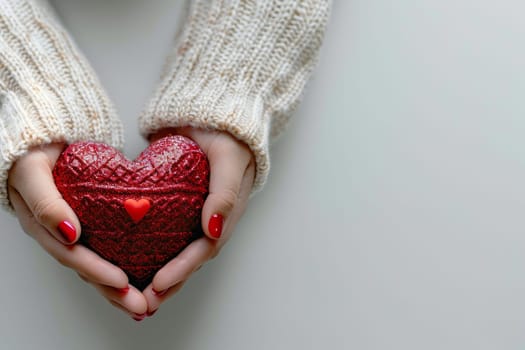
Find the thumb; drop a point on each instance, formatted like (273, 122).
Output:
(32, 178)
(226, 175)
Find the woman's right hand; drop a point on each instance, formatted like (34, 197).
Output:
(45, 216)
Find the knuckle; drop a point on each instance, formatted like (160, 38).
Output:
(44, 209)
(227, 199)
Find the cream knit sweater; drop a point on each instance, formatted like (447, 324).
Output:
(238, 66)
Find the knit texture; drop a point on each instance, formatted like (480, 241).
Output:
(48, 92)
(239, 66)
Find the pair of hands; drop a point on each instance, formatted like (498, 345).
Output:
(41, 209)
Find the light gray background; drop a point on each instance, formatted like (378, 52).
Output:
(393, 217)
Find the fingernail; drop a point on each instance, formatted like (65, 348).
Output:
(138, 317)
(157, 293)
(123, 290)
(215, 225)
(68, 231)
(151, 313)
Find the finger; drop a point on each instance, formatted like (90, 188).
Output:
(76, 257)
(228, 163)
(86, 262)
(244, 195)
(131, 301)
(154, 299)
(23, 214)
(32, 178)
(87, 280)
(120, 307)
(183, 265)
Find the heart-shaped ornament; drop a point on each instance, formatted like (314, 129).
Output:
(136, 214)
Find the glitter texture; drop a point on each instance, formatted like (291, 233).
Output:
(172, 174)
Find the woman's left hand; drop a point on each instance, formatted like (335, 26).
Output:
(232, 171)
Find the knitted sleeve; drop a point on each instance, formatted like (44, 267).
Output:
(239, 66)
(48, 92)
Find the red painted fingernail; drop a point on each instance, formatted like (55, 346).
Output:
(151, 313)
(159, 294)
(68, 231)
(123, 290)
(215, 225)
(138, 317)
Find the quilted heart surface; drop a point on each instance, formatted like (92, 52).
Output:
(136, 214)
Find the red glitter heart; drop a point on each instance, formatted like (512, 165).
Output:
(138, 215)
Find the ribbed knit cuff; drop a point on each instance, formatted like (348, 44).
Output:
(48, 92)
(213, 107)
(240, 67)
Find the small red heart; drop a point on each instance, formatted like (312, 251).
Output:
(162, 191)
(137, 209)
